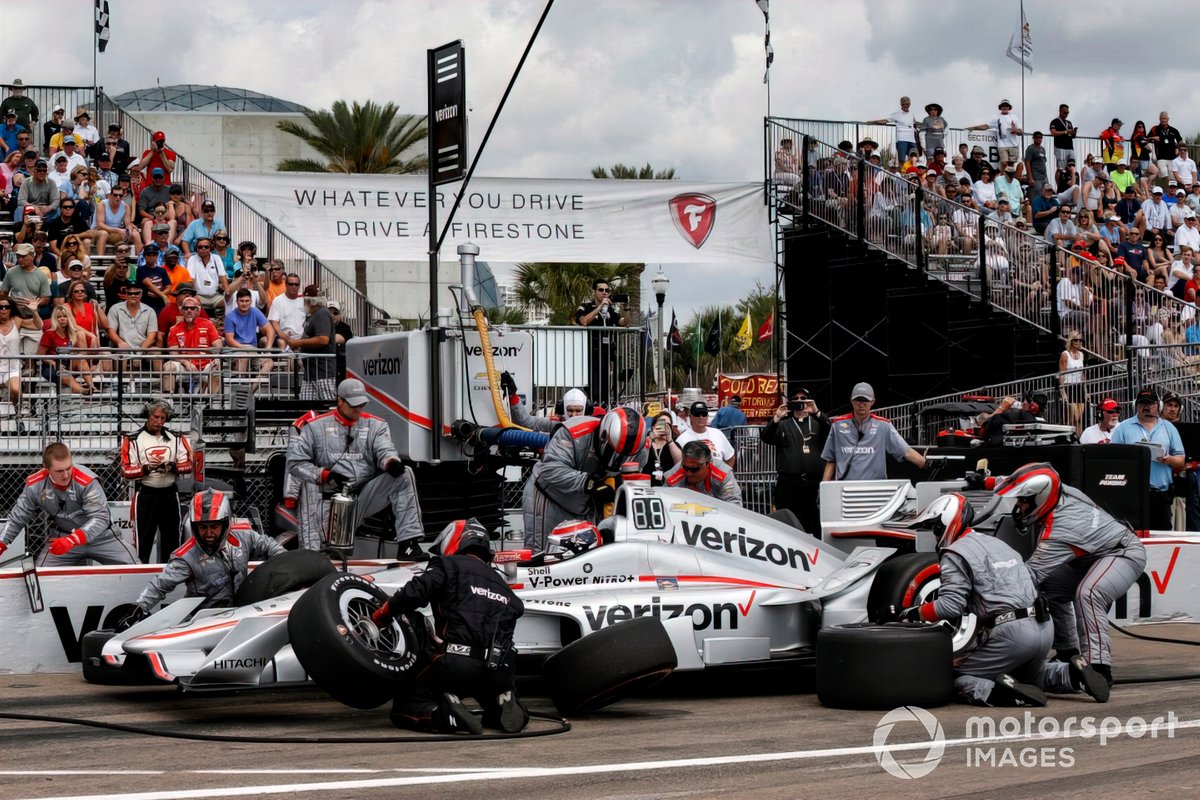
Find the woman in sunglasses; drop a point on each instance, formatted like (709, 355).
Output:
(64, 337)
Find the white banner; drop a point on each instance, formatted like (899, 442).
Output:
(385, 218)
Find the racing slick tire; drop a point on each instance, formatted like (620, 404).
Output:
(135, 671)
(344, 652)
(884, 666)
(612, 663)
(910, 579)
(286, 572)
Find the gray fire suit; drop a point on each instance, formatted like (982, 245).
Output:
(720, 482)
(1085, 559)
(984, 576)
(556, 488)
(521, 416)
(329, 444)
(81, 506)
(217, 576)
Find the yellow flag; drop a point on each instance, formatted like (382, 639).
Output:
(744, 337)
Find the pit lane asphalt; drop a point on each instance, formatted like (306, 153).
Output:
(761, 735)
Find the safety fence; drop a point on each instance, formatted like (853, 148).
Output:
(244, 223)
(70, 98)
(607, 363)
(754, 468)
(1063, 279)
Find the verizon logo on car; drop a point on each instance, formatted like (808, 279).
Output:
(739, 544)
(717, 616)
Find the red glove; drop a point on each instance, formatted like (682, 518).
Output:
(3, 547)
(324, 476)
(289, 502)
(62, 544)
(382, 615)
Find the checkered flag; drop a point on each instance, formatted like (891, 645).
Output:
(102, 24)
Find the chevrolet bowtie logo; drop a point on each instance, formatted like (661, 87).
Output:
(693, 508)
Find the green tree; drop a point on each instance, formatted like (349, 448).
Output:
(366, 138)
(701, 366)
(562, 287)
(628, 173)
(501, 315)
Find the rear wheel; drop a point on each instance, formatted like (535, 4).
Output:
(281, 574)
(909, 580)
(615, 662)
(344, 652)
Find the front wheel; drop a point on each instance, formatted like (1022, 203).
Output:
(911, 579)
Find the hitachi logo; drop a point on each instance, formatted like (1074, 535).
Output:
(241, 663)
(746, 546)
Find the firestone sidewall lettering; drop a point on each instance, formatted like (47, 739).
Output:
(740, 544)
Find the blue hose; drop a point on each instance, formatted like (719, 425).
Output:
(512, 437)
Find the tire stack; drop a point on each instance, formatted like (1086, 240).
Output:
(884, 666)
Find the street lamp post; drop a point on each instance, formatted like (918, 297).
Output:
(659, 283)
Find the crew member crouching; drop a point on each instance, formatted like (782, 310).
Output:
(475, 614)
(698, 472)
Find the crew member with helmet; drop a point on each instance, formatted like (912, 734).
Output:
(982, 575)
(347, 446)
(700, 473)
(72, 498)
(212, 563)
(571, 481)
(152, 458)
(1084, 560)
(475, 615)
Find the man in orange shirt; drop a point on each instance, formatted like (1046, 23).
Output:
(189, 339)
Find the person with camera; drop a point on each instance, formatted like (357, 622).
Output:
(798, 432)
(475, 614)
(662, 452)
(152, 458)
(158, 157)
(347, 448)
(601, 312)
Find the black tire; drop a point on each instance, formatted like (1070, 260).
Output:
(286, 572)
(884, 666)
(135, 671)
(615, 662)
(904, 581)
(342, 650)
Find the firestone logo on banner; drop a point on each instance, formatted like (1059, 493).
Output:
(694, 216)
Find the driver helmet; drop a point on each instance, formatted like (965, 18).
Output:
(462, 535)
(949, 517)
(209, 506)
(622, 433)
(1036, 488)
(569, 539)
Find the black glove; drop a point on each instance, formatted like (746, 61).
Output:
(601, 493)
(508, 385)
(132, 618)
(395, 468)
(975, 480)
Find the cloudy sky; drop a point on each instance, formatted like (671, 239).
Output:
(674, 82)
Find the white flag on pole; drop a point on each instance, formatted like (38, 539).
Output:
(1020, 46)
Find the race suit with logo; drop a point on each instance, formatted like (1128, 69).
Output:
(720, 482)
(1085, 559)
(474, 611)
(79, 507)
(556, 488)
(217, 576)
(982, 575)
(155, 502)
(329, 445)
(860, 453)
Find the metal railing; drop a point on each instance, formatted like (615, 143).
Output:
(244, 223)
(607, 363)
(71, 98)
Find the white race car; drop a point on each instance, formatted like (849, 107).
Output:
(680, 581)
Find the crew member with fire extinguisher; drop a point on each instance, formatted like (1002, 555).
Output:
(153, 458)
(347, 448)
(982, 575)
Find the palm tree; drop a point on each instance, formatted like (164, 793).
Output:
(359, 138)
(501, 315)
(623, 172)
(562, 287)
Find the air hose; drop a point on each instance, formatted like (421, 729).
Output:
(514, 437)
(485, 343)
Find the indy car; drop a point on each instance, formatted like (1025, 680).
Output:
(678, 580)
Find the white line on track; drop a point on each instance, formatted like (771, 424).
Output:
(594, 769)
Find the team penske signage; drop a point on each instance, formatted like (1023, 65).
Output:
(384, 217)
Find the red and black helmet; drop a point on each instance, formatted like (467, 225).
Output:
(1037, 488)
(622, 433)
(950, 516)
(464, 535)
(210, 505)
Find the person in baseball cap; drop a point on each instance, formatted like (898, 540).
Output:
(1147, 427)
(698, 429)
(1172, 406)
(860, 442)
(353, 392)
(1109, 412)
(862, 391)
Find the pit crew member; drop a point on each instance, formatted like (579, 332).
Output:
(984, 576)
(1083, 561)
(574, 404)
(212, 563)
(698, 472)
(152, 457)
(475, 614)
(572, 479)
(859, 442)
(347, 446)
(73, 499)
